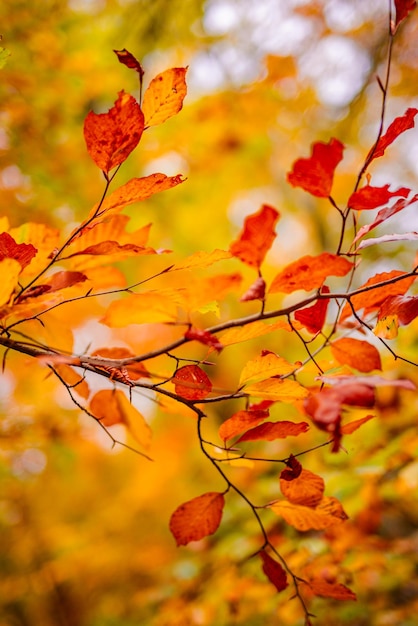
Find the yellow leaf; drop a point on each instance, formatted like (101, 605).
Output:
(164, 96)
(277, 390)
(328, 513)
(9, 272)
(265, 366)
(252, 331)
(387, 327)
(141, 308)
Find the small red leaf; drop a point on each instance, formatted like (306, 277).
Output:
(315, 174)
(197, 518)
(396, 128)
(383, 215)
(257, 236)
(257, 291)
(269, 431)
(192, 383)
(128, 59)
(371, 197)
(293, 469)
(23, 253)
(313, 317)
(274, 571)
(203, 336)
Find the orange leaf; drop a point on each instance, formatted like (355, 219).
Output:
(23, 253)
(269, 431)
(265, 366)
(328, 513)
(405, 307)
(398, 126)
(337, 591)
(315, 174)
(136, 190)
(110, 137)
(143, 308)
(358, 354)
(257, 236)
(307, 489)
(201, 259)
(44, 238)
(192, 383)
(369, 197)
(197, 518)
(277, 389)
(164, 96)
(203, 336)
(241, 421)
(9, 271)
(352, 426)
(309, 272)
(313, 317)
(274, 571)
(73, 379)
(252, 331)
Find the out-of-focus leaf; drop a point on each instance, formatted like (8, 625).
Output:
(403, 8)
(9, 270)
(315, 174)
(134, 370)
(164, 96)
(73, 379)
(327, 513)
(265, 366)
(192, 383)
(257, 291)
(325, 589)
(358, 354)
(352, 426)
(256, 237)
(143, 308)
(307, 489)
(251, 331)
(274, 571)
(277, 389)
(204, 337)
(372, 241)
(309, 272)
(201, 259)
(269, 431)
(197, 518)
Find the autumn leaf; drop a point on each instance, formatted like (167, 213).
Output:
(395, 311)
(197, 518)
(143, 308)
(293, 469)
(325, 589)
(9, 270)
(240, 422)
(369, 197)
(277, 389)
(203, 336)
(307, 489)
(192, 383)
(361, 355)
(354, 425)
(309, 272)
(396, 128)
(274, 571)
(257, 236)
(252, 331)
(127, 58)
(164, 96)
(315, 174)
(110, 137)
(201, 259)
(73, 379)
(265, 366)
(23, 253)
(269, 431)
(326, 514)
(403, 8)
(257, 291)
(135, 370)
(313, 317)
(372, 241)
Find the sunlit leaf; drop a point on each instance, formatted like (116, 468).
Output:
(369, 197)
(257, 236)
(265, 366)
(397, 127)
(309, 272)
(277, 389)
(240, 422)
(164, 96)
(192, 383)
(110, 137)
(358, 354)
(252, 331)
(134, 370)
(405, 307)
(315, 174)
(197, 518)
(269, 431)
(326, 514)
(352, 426)
(73, 379)
(21, 252)
(274, 571)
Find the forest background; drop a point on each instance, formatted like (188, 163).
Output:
(85, 538)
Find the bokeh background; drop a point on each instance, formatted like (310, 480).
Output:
(84, 537)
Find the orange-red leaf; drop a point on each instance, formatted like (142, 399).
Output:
(197, 518)
(256, 237)
(23, 253)
(398, 126)
(241, 421)
(405, 307)
(274, 571)
(383, 215)
(356, 353)
(257, 291)
(164, 96)
(337, 591)
(307, 489)
(309, 272)
(192, 383)
(110, 137)
(328, 513)
(313, 317)
(369, 197)
(269, 431)
(352, 426)
(315, 174)
(127, 58)
(203, 336)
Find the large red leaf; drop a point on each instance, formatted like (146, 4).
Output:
(369, 197)
(396, 128)
(110, 137)
(23, 253)
(257, 236)
(197, 518)
(274, 571)
(309, 272)
(192, 383)
(315, 174)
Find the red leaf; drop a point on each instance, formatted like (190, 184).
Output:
(128, 59)
(309, 272)
(315, 175)
(197, 518)
(371, 197)
(313, 317)
(292, 470)
(257, 291)
(403, 7)
(110, 137)
(257, 236)
(269, 431)
(383, 215)
(23, 253)
(192, 383)
(337, 591)
(405, 307)
(274, 571)
(203, 336)
(396, 128)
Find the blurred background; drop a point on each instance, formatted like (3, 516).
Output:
(84, 537)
